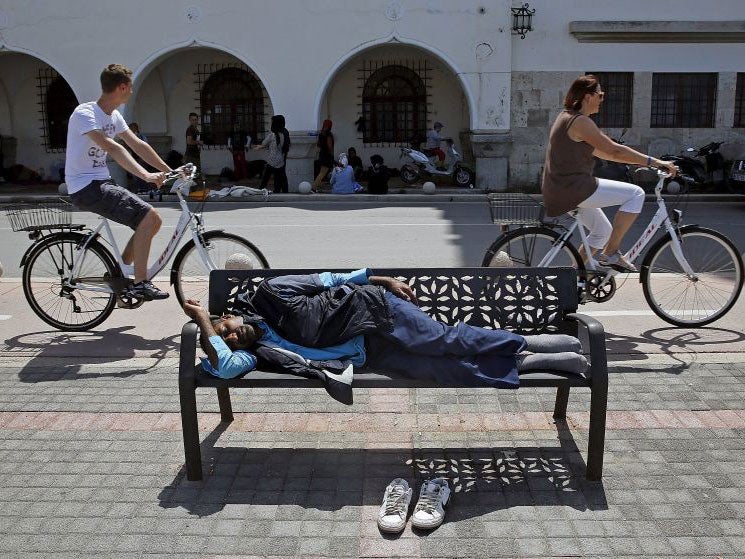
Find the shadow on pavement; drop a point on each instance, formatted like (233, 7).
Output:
(672, 342)
(482, 479)
(81, 348)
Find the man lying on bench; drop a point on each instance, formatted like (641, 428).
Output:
(322, 325)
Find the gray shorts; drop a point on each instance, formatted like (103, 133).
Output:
(112, 202)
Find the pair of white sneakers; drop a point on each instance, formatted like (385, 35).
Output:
(428, 513)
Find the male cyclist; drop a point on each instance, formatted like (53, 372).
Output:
(90, 138)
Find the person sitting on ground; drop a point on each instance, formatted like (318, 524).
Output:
(90, 132)
(434, 140)
(342, 177)
(377, 176)
(355, 163)
(322, 325)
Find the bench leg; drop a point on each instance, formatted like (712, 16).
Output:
(226, 409)
(190, 430)
(596, 445)
(562, 399)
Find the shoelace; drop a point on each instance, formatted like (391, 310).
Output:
(394, 500)
(428, 500)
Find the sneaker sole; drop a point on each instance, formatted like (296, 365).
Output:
(388, 530)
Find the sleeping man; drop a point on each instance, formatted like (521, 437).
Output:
(323, 325)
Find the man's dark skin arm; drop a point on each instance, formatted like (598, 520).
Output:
(201, 316)
(398, 288)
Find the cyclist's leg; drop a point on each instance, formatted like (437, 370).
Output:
(598, 227)
(629, 197)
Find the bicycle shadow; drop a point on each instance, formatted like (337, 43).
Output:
(671, 342)
(483, 480)
(53, 360)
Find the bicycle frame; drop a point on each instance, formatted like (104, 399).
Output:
(185, 220)
(661, 218)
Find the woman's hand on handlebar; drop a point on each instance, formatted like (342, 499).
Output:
(156, 178)
(667, 166)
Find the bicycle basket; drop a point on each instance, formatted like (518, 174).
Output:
(514, 208)
(39, 215)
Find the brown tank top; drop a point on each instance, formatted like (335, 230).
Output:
(567, 174)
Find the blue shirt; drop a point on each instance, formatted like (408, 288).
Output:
(342, 181)
(234, 363)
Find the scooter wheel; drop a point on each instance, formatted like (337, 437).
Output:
(408, 174)
(464, 177)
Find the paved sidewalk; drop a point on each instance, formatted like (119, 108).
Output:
(91, 466)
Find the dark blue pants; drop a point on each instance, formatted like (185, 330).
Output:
(463, 355)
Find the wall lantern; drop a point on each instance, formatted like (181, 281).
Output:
(522, 20)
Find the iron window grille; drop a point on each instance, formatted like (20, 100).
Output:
(616, 108)
(231, 101)
(683, 100)
(56, 102)
(394, 102)
(740, 102)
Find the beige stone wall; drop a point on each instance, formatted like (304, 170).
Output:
(537, 98)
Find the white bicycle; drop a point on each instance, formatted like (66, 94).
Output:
(74, 277)
(691, 276)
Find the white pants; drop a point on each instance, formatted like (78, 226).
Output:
(609, 193)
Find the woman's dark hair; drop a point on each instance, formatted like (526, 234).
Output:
(278, 127)
(582, 86)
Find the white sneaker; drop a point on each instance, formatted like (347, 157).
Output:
(429, 511)
(395, 507)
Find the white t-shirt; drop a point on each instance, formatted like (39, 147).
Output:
(85, 161)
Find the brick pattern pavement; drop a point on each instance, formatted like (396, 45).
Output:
(91, 465)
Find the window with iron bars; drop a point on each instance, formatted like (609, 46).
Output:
(683, 100)
(56, 102)
(616, 108)
(394, 102)
(231, 104)
(740, 102)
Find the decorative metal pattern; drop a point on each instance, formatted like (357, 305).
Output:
(511, 299)
(56, 102)
(394, 101)
(615, 111)
(683, 100)
(522, 20)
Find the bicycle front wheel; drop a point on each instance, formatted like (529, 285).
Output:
(526, 247)
(63, 307)
(190, 274)
(702, 297)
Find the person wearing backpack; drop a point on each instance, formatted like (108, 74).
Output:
(278, 144)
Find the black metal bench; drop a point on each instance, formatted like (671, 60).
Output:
(527, 301)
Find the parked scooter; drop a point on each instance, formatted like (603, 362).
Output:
(612, 170)
(705, 164)
(423, 166)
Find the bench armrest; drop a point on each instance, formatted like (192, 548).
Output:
(596, 335)
(188, 355)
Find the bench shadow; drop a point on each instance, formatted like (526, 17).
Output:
(483, 480)
(113, 345)
(671, 342)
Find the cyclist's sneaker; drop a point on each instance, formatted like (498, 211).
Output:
(146, 290)
(616, 261)
(433, 497)
(395, 507)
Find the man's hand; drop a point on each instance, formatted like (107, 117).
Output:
(156, 178)
(194, 310)
(398, 288)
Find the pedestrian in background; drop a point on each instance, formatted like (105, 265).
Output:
(325, 153)
(193, 142)
(278, 144)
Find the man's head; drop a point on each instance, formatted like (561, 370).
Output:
(116, 80)
(193, 119)
(235, 333)
(438, 126)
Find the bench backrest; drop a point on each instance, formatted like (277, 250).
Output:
(525, 300)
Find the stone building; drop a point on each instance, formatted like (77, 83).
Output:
(383, 70)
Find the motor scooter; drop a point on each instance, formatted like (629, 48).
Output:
(613, 170)
(424, 165)
(705, 164)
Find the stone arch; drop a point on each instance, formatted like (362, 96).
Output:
(393, 39)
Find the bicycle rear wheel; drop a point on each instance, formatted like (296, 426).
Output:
(189, 275)
(62, 307)
(527, 246)
(708, 295)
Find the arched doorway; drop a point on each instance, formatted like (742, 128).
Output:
(35, 105)
(228, 96)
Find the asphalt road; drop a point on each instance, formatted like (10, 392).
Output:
(318, 235)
